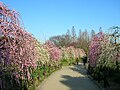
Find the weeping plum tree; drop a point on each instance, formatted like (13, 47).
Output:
(54, 51)
(43, 54)
(104, 54)
(95, 48)
(18, 52)
(115, 42)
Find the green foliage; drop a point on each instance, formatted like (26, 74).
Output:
(64, 62)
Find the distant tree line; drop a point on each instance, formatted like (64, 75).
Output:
(71, 38)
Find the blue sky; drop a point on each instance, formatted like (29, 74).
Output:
(45, 18)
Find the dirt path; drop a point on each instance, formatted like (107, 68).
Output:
(68, 78)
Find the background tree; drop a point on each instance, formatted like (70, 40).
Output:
(71, 39)
(92, 33)
(74, 36)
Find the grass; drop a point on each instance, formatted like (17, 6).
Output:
(44, 73)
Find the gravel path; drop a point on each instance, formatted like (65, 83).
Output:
(68, 78)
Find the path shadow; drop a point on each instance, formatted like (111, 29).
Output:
(74, 83)
(81, 82)
(80, 69)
